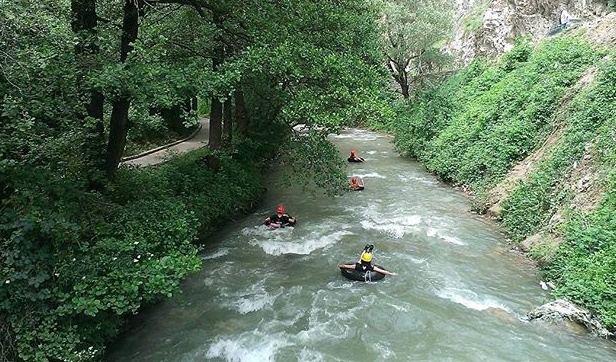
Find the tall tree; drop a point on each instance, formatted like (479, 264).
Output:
(227, 122)
(85, 25)
(241, 116)
(215, 135)
(414, 33)
(118, 125)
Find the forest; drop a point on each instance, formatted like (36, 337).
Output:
(86, 241)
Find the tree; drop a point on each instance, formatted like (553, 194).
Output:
(414, 33)
(85, 26)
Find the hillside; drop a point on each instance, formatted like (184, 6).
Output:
(490, 27)
(583, 180)
(531, 136)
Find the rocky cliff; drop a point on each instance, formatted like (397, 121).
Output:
(490, 27)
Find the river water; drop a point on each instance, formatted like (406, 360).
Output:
(277, 295)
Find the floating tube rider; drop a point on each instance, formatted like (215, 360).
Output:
(364, 270)
(280, 219)
(354, 158)
(357, 184)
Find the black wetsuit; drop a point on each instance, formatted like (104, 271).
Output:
(282, 219)
(364, 267)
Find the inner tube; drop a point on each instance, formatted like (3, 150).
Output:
(273, 225)
(358, 159)
(368, 276)
(357, 188)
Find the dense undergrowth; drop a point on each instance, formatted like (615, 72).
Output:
(475, 127)
(93, 259)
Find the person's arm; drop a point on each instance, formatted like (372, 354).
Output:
(347, 266)
(285, 219)
(382, 271)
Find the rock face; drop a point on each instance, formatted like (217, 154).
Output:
(490, 27)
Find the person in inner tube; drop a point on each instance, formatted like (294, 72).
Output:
(354, 158)
(365, 263)
(357, 184)
(279, 219)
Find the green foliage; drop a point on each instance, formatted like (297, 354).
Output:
(474, 19)
(585, 264)
(590, 119)
(75, 264)
(585, 267)
(315, 164)
(478, 124)
(500, 115)
(413, 35)
(516, 56)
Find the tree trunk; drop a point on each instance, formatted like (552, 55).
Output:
(400, 75)
(117, 135)
(404, 86)
(215, 124)
(118, 127)
(227, 125)
(84, 24)
(241, 116)
(215, 139)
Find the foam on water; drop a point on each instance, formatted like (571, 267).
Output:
(217, 254)
(383, 350)
(253, 299)
(309, 355)
(470, 299)
(248, 347)
(395, 227)
(415, 179)
(434, 233)
(303, 246)
(328, 319)
(369, 175)
(359, 135)
(267, 232)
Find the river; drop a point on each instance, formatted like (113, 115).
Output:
(460, 293)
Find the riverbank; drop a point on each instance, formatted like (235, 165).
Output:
(531, 138)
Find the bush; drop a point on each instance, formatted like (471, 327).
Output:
(76, 264)
(493, 116)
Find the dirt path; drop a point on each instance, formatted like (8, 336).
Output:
(161, 154)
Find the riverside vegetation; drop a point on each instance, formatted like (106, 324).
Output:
(551, 108)
(84, 243)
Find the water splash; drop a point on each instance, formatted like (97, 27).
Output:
(434, 233)
(248, 347)
(470, 299)
(303, 245)
(217, 254)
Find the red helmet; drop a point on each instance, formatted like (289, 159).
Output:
(280, 209)
(354, 180)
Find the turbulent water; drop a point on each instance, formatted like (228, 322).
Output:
(277, 295)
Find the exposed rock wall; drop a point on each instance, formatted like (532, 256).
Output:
(489, 27)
